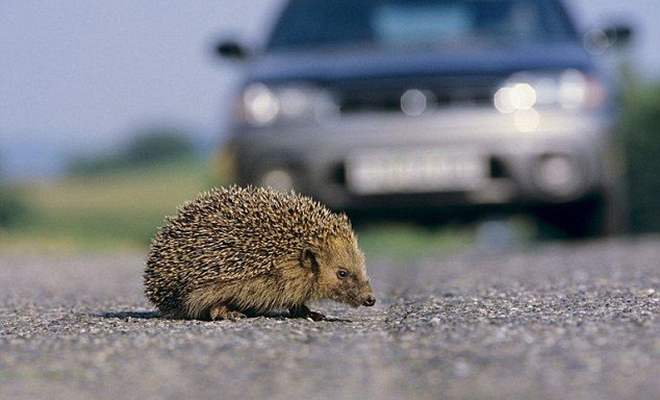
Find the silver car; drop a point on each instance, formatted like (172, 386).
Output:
(419, 107)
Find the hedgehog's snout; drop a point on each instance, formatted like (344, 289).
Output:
(369, 301)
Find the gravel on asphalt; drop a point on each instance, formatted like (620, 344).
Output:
(554, 321)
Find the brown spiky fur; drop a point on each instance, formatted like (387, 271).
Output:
(253, 250)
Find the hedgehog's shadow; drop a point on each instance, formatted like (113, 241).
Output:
(288, 318)
(331, 319)
(156, 314)
(130, 314)
(285, 316)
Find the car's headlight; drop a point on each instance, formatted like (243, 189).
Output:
(570, 90)
(261, 105)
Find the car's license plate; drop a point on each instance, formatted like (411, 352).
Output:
(415, 171)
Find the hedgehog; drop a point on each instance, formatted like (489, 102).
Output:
(248, 251)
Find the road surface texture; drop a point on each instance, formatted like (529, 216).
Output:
(557, 321)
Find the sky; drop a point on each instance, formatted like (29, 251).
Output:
(80, 75)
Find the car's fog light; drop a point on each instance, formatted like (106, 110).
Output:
(414, 102)
(278, 179)
(558, 176)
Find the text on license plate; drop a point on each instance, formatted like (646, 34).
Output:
(413, 171)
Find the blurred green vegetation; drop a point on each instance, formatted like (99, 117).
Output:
(640, 133)
(12, 206)
(109, 210)
(148, 147)
(108, 201)
(406, 240)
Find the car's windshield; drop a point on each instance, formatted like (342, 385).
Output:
(310, 24)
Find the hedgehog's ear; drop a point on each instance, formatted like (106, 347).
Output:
(309, 259)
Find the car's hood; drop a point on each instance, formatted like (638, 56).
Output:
(331, 66)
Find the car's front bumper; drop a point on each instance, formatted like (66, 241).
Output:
(316, 154)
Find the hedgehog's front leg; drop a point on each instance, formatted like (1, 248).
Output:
(304, 312)
(223, 312)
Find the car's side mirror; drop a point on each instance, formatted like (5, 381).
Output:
(614, 36)
(619, 35)
(231, 50)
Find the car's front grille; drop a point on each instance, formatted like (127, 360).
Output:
(387, 96)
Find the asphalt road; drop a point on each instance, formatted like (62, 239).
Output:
(557, 321)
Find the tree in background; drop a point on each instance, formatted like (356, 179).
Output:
(12, 206)
(640, 133)
(149, 147)
(157, 146)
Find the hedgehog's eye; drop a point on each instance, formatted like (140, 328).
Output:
(342, 273)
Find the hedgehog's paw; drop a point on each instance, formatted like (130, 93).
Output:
(223, 313)
(315, 316)
(304, 312)
(234, 315)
